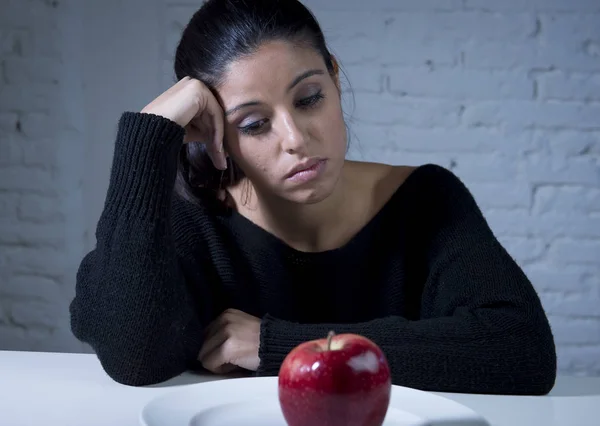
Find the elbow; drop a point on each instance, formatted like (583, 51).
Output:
(545, 370)
(538, 359)
(137, 370)
(125, 361)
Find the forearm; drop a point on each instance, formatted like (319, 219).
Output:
(453, 354)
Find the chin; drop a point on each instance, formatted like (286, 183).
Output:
(312, 198)
(311, 194)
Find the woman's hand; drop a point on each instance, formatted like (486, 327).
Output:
(231, 342)
(192, 105)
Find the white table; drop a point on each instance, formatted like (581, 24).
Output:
(53, 389)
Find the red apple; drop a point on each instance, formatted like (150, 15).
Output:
(341, 380)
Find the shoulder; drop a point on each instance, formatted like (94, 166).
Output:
(439, 186)
(428, 180)
(436, 178)
(426, 192)
(379, 181)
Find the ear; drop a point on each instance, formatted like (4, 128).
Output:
(336, 73)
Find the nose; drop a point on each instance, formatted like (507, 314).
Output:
(294, 137)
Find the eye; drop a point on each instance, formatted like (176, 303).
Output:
(253, 128)
(310, 101)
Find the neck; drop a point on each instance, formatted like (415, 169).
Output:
(305, 227)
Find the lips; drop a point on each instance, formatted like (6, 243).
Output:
(304, 166)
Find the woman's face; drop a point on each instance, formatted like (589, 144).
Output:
(284, 125)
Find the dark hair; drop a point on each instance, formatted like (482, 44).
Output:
(220, 32)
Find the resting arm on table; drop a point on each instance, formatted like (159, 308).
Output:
(482, 327)
(132, 304)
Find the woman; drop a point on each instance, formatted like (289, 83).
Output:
(234, 229)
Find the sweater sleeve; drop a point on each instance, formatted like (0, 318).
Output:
(131, 304)
(482, 328)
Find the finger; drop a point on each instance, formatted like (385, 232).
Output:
(201, 130)
(192, 134)
(211, 329)
(218, 126)
(217, 324)
(218, 360)
(226, 317)
(214, 341)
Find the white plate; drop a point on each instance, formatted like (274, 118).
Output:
(254, 402)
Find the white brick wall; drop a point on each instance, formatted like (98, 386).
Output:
(41, 236)
(507, 94)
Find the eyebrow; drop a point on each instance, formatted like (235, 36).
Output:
(293, 84)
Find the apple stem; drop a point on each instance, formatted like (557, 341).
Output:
(329, 337)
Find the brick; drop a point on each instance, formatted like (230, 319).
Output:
(571, 304)
(34, 314)
(20, 178)
(46, 41)
(14, 41)
(575, 331)
(8, 205)
(22, 71)
(355, 44)
(580, 360)
(379, 109)
(527, 55)
(383, 5)
(563, 144)
(566, 199)
(412, 52)
(454, 140)
(40, 208)
(32, 287)
(524, 249)
(569, 251)
(525, 114)
(515, 194)
(24, 13)
(31, 234)
(541, 169)
(40, 152)
(356, 50)
(584, 56)
(3, 316)
(460, 26)
(167, 74)
(535, 5)
(58, 339)
(35, 261)
(519, 222)
(13, 338)
(37, 97)
(363, 78)
(399, 157)
(569, 86)
(460, 83)
(494, 167)
(177, 16)
(335, 24)
(554, 278)
(171, 42)
(11, 151)
(570, 29)
(8, 122)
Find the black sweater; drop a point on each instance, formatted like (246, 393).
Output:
(425, 279)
